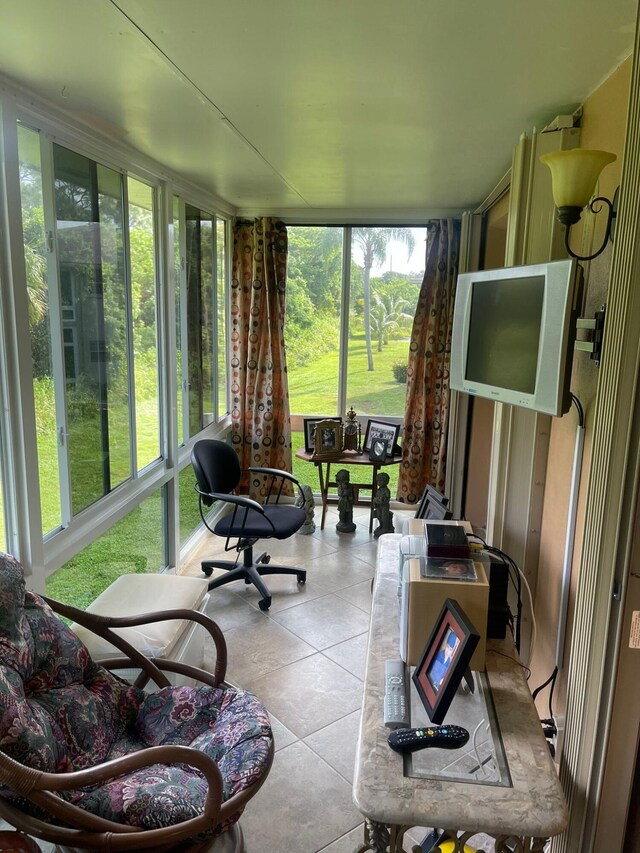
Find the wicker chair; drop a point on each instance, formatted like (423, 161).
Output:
(90, 761)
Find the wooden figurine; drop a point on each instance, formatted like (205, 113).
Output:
(345, 502)
(381, 509)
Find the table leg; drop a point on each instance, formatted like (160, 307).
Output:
(323, 492)
(374, 488)
(377, 837)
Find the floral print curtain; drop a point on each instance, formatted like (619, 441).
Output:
(426, 417)
(261, 427)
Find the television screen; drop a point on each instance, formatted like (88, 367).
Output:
(504, 333)
(513, 334)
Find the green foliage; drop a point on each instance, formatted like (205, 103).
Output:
(400, 372)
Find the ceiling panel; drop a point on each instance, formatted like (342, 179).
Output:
(296, 104)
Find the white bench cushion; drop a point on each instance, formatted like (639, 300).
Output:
(133, 595)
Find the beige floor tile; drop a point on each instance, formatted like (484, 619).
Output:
(267, 646)
(351, 654)
(230, 610)
(347, 843)
(337, 743)
(324, 621)
(303, 806)
(338, 570)
(358, 594)
(281, 735)
(285, 591)
(309, 694)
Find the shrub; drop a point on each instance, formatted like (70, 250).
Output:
(400, 372)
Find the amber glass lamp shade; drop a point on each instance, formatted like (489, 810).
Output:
(574, 174)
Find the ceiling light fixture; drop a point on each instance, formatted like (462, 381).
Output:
(574, 174)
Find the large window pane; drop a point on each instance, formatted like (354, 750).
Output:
(386, 273)
(189, 514)
(136, 544)
(177, 273)
(89, 214)
(199, 320)
(221, 266)
(145, 321)
(39, 326)
(312, 324)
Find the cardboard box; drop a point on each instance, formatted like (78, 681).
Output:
(422, 600)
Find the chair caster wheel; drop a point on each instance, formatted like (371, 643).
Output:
(208, 571)
(264, 603)
(266, 559)
(302, 578)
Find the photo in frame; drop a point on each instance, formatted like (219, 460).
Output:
(328, 439)
(380, 429)
(445, 659)
(429, 495)
(379, 447)
(309, 425)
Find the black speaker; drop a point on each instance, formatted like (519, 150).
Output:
(499, 613)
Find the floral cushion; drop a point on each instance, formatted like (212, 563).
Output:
(60, 711)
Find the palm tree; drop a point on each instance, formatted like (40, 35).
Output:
(373, 242)
(386, 315)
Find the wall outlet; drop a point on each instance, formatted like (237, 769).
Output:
(558, 738)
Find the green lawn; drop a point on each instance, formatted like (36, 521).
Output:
(135, 544)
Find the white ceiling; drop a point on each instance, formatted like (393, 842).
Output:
(324, 107)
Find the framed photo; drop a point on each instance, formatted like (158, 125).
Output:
(309, 425)
(429, 494)
(437, 511)
(378, 452)
(380, 429)
(445, 660)
(328, 439)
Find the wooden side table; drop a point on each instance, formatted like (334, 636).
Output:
(348, 457)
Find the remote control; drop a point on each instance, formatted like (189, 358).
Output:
(443, 737)
(396, 714)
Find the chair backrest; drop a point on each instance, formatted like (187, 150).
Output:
(216, 466)
(61, 710)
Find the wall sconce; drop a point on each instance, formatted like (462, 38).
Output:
(574, 174)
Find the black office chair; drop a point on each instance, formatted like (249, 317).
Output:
(218, 472)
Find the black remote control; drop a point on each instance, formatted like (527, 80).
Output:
(442, 737)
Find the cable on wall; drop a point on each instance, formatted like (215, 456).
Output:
(571, 532)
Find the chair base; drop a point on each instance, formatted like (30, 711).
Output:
(251, 571)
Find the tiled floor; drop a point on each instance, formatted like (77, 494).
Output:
(305, 659)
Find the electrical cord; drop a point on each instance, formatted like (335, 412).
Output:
(517, 583)
(576, 402)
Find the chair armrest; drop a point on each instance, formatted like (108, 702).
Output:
(275, 473)
(103, 626)
(37, 785)
(239, 500)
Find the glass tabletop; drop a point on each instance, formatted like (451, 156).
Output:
(482, 760)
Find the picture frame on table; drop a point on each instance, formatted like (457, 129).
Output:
(379, 447)
(429, 495)
(309, 427)
(380, 429)
(328, 439)
(445, 660)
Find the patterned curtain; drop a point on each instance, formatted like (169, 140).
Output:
(261, 428)
(426, 416)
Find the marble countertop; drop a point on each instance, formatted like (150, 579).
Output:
(532, 805)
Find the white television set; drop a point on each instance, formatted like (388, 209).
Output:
(513, 334)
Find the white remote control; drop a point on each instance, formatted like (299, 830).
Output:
(396, 714)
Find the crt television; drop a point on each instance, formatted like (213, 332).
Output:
(513, 334)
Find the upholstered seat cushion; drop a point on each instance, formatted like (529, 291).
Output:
(133, 594)
(232, 727)
(286, 520)
(60, 711)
